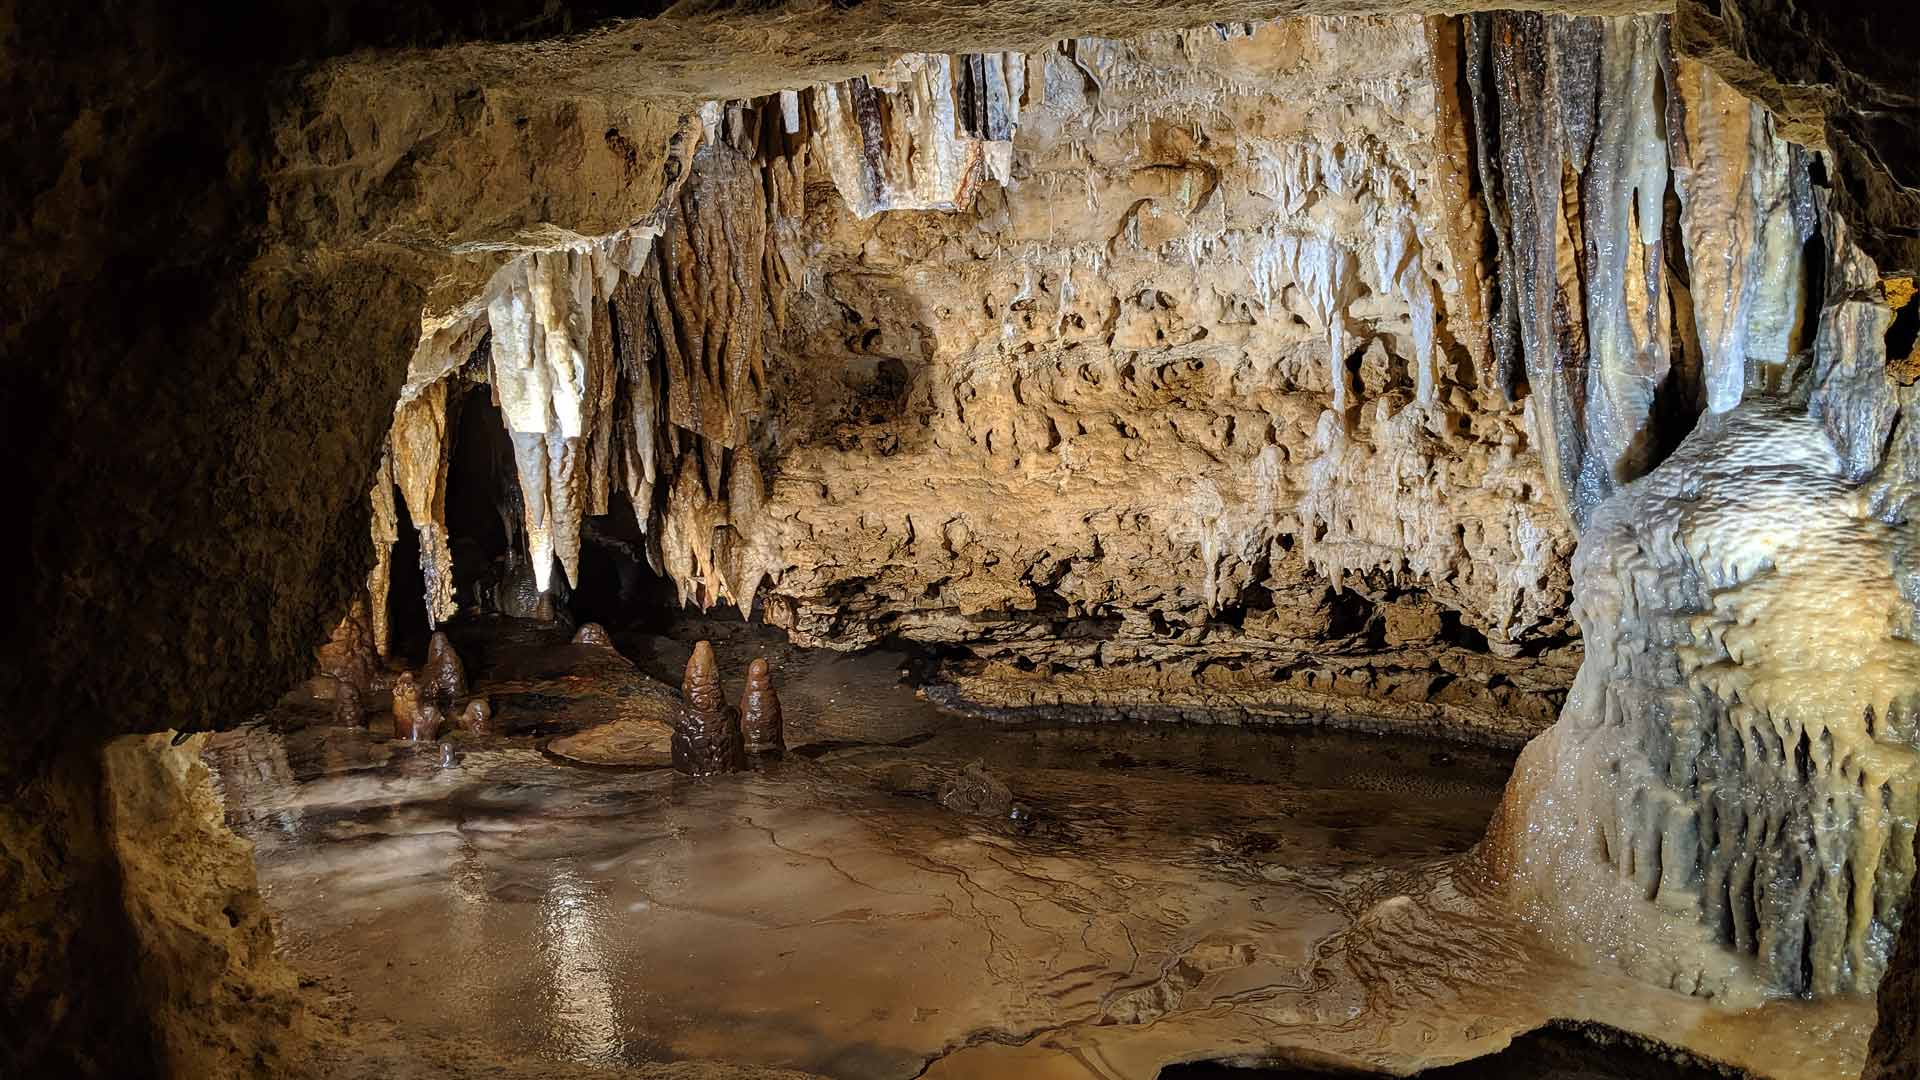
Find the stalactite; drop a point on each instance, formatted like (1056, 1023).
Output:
(554, 373)
(385, 526)
(1624, 184)
(1489, 168)
(421, 441)
(922, 134)
(1744, 220)
(1849, 389)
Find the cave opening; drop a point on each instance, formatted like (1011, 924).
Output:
(1352, 544)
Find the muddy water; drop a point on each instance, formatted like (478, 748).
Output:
(1153, 896)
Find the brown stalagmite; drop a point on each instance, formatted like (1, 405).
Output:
(706, 731)
(427, 722)
(762, 727)
(347, 705)
(477, 717)
(444, 677)
(406, 699)
(593, 634)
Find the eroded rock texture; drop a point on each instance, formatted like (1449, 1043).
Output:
(1184, 401)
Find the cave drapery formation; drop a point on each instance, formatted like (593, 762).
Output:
(225, 613)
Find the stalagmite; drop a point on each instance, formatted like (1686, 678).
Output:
(348, 706)
(762, 726)
(593, 634)
(406, 701)
(477, 717)
(443, 678)
(706, 730)
(350, 662)
(426, 723)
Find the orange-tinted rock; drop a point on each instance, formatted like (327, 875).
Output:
(706, 731)
(406, 699)
(593, 634)
(427, 722)
(762, 728)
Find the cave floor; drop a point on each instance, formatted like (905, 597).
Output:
(1163, 894)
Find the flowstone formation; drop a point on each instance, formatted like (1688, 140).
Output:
(1739, 749)
(706, 730)
(1727, 804)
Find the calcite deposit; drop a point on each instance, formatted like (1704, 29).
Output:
(762, 726)
(593, 634)
(477, 717)
(443, 678)
(706, 730)
(1222, 408)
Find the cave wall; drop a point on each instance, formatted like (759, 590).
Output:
(1194, 412)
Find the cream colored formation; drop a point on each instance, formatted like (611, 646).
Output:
(1171, 375)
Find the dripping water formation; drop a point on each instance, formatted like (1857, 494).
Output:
(1356, 543)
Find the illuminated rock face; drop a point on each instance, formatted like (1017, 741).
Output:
(1729, 800)
(406, 702)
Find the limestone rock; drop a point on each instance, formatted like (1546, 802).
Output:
(443, 678)
(477, 717)
(426, 722)
(706, 730)
(973, 790)
(763, 728)
(406, 702)
(593, 634)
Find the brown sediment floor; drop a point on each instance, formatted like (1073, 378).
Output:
(1160, 894)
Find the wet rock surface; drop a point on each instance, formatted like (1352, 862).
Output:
(1177, 893)
(762, 724)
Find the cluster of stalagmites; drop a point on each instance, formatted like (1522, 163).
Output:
(710, 736)
(423, 702)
